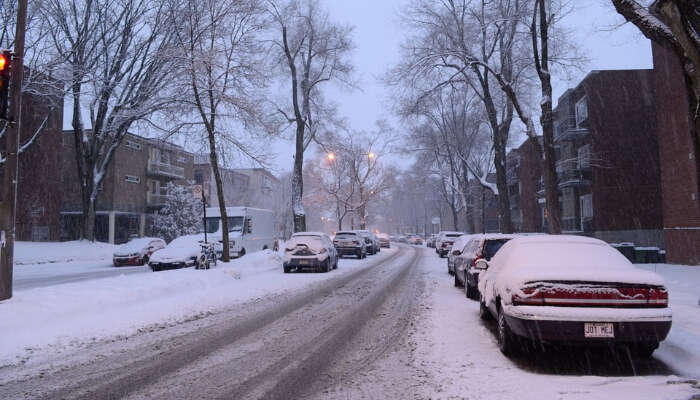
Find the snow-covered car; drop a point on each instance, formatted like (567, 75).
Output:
(478, 247)
(350, 243)
(572, 290)
(443, 243)
(384, 240)
(310, 250)
(137, 251)
(456, 250)
(430, 242)
(371, 241)
(180, 253)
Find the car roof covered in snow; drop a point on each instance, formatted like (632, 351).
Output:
(308, 234)
(136, 244)
(565, 258)
(494, 236)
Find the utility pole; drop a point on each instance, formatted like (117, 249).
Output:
(9, 187)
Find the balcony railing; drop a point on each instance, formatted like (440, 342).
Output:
(156, 200)
(566, 129)
(573, 164)
(166, 170)
(574, 178)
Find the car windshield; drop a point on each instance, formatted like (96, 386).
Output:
(491, 246)
(235, 224)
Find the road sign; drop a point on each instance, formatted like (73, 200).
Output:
(197, 191)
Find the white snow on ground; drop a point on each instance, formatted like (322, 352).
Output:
(64, 315)
(459, 353)
(56, 252)
(681, 350)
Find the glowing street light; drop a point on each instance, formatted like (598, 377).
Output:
(371, 155)
(331, 156)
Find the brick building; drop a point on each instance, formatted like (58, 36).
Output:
(132, 191)
(523, 176)
(680, 168)
(39, 178)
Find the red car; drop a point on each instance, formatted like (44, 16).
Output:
(137, 251)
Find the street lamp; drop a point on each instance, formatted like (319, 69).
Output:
(330, 156)
(371, 155)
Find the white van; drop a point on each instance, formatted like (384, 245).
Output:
(250, 229)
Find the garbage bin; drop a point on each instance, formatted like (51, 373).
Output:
(627, 250)
(646, 255)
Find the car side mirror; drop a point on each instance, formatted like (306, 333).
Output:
(481, 264)
(456, 253)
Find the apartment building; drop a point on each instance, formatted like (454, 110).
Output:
(39, 179)
(523, 176)
(235, 184)
(132, 191)
(680, 168)
(261, 185)
(607, 158)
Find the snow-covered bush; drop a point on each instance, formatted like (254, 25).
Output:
(181, 215)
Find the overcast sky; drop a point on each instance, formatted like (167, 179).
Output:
(378, 35)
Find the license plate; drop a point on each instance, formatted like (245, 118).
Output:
(598, 330)
(304, 262)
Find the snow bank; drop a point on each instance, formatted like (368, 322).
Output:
(54, 252)
(64, 315)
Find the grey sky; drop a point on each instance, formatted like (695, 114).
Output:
(378, 36)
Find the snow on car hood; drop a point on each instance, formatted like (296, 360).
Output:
(180, 249)
(560, 258)
(133, 246)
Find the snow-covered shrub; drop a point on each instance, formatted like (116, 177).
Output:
(181, 215)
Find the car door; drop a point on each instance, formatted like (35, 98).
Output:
(466, 259)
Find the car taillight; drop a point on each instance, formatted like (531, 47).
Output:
(477, 258)
(591, 295)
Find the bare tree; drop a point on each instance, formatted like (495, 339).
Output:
(116, 55)
(220, 46)
(675, 25)
(466, 42)
(311, 50)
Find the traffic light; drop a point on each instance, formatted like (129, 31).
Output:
(5, 66)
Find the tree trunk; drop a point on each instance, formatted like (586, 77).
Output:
(214, 160)
(549, 167)
(89, 214)
(506, 224)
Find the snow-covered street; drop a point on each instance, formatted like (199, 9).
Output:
(390, 326)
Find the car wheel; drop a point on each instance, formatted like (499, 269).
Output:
(506, 339)
(154, 269)
(484, 312)
(241, 253)
(286, 269)
(326, 265)
(468, 291)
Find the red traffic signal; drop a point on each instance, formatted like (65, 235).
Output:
(4, 62)
(5, 66)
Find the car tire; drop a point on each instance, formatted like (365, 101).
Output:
(506, 339)
(469, 291)
(484, 313)
(458, 283)
(154, 269)
(287, 269)
(326, 265)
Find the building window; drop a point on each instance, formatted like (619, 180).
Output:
(581, 111)
(164, 157)
(132, 179)
(586, 206)
(584, 156)
(182, 159)
(133, 145)
(198, 178)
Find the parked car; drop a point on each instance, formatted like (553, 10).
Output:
(402, 239)
(384, 240)
(350, 243)
(443, 243)
(479, 247)
(370, 241)
(310, 250)
(430, 242)
(572, 290)
(180, 253)
(456, 250)
(137, 251)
